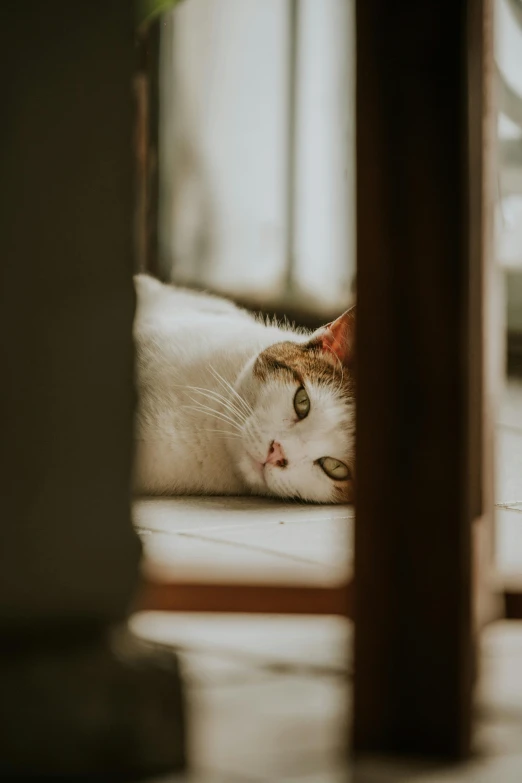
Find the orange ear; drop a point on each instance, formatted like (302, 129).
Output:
(338, 337)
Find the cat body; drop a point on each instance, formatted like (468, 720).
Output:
(217, 402)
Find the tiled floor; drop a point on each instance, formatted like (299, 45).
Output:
(269, 696)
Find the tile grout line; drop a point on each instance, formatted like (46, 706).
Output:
(256, 525)
(252, 548)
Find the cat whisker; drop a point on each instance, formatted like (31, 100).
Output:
(230, 416)
(217, 397)
(214, 414)
(200, 408)
(227, 385)
(225, 433)
(221, 421)
(228, 404)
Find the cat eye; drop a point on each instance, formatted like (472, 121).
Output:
(334, 468)
(302, 403)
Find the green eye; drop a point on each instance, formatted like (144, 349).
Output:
(301, 403)
(334, 468)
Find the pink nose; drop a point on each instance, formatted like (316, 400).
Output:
(276, 455)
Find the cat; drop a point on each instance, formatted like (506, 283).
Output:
(230, 405)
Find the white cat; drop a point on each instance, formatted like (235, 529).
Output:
(229, 405)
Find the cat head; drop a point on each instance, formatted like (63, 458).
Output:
(298, 436)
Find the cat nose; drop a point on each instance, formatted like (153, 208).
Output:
(276, 455)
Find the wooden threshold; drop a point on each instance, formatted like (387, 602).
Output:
(255, 598)
(180, 596)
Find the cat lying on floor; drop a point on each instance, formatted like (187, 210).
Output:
(231, 405)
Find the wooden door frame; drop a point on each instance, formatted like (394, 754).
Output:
(421, 217)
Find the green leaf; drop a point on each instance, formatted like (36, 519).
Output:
(148, 9)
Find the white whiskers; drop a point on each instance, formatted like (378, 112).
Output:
(213, 413)
(227, 410)
(231, 410)
(224, 433)
(222, 400)
(219, 378)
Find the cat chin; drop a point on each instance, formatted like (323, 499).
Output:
(252, 474)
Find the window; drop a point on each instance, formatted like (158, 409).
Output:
(257, 179)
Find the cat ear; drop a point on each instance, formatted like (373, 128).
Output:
(338, 337)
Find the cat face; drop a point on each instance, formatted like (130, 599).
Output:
(298, 437)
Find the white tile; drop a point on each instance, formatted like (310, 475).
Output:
(275, 730)
(171, 515)
(500, 687)
(508, 542)
(508, 517)
(337, 773)
(327, 542)
(509, 447)
(510, 412)
(204, 560)
(316, 642)
(502, 640)
(504, 769)
(203, 669)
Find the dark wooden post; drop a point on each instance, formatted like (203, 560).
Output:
(419, 302)
(68, 551)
